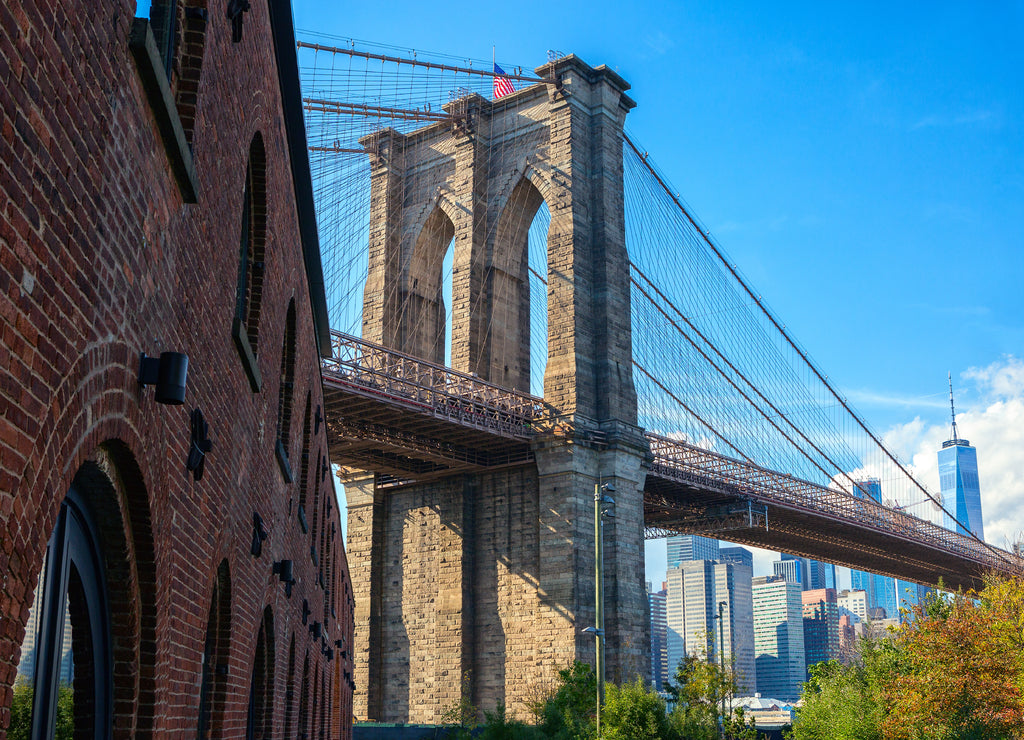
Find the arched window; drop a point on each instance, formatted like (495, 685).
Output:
(424, 321)
(215, 655)
(519, 303)
(285, 393)
(305, 478)
(289, 691)
(64, 685)
(261, 690)
(316, 504)
(303, 732)
(251, 265)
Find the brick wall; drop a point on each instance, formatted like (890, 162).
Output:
(102, 258)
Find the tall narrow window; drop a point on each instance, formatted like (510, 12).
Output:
(251, 265)
(289, 691)
(64, 684)
(314, 554)
(215, 655)
(285, 393)
(303, 733)
(261, 690)
(306, 479)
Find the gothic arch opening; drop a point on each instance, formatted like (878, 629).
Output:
(517, 330)
(423, 319)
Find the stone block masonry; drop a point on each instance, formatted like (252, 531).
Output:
(478, 586)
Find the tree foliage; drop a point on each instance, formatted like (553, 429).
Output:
(569, 713)
(633, 712)
(955, 672)
(698, 691)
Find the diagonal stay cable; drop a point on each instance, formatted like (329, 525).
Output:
(743, 377)
(693, 413)
(733, 383)
(796, 348)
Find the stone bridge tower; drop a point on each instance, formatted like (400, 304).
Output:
(478, 585)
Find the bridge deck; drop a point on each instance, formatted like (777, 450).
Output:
(407, 418)
(410, 420)
(694, 491)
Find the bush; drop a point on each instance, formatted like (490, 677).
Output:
(632, 712)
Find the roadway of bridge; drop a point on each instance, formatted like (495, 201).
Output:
(407, 421)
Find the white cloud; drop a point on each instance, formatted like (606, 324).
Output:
(994, 424)
(967, 118)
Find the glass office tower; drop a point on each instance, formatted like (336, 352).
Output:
(958, 480)
(684, 547)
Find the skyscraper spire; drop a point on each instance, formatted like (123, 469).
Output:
(952, 409)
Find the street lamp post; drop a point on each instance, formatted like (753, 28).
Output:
(721, 656)
(600, 498)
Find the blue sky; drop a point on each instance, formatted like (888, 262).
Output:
(863, 165)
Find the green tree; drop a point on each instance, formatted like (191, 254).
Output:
(20, 727)
(462, 716)
(955, 672)
(698, 692)
(497, 726)
(568, 714)
(841, 702)
(633, 712)
(961, 675)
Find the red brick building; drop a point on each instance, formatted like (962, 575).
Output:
(165, 569)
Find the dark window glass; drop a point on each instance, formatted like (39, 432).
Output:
(64, 684)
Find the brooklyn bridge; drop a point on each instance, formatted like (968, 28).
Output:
(523, 310)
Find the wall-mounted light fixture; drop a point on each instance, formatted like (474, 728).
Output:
(259, 533)
(283, 570)
(314, 630)
(169, 373)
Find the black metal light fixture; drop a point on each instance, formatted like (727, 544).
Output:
(259, 533)
(284, 571)
(234, 14)
(169, 373)
(314, 630)
(199, 445)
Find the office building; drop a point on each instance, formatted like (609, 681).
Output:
(853, 603)
(958, 481)
(675, 621)
(695, 589)
(659, 636)
(683, 547)
(778, 637)
(792, 569)
(737, 556)
(812, 574)
(821, 625)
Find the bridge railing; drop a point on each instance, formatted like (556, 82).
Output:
(430, 388)
(686, 463)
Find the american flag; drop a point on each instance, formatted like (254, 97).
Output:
(502, 85)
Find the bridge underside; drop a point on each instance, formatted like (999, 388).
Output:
(714, 511)
(404, 440)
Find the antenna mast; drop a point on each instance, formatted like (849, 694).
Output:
(952, 409)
